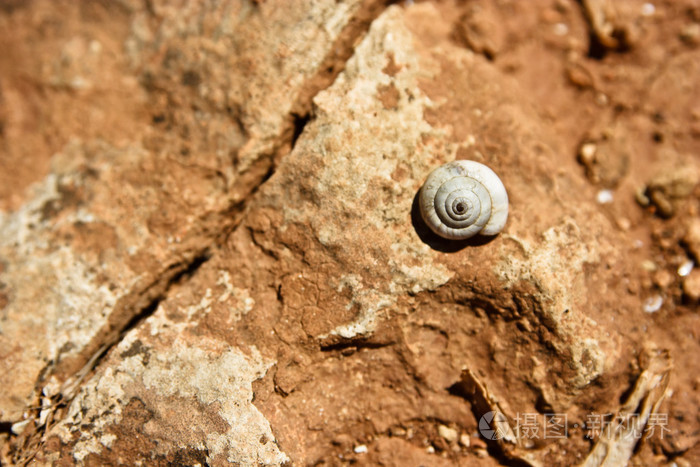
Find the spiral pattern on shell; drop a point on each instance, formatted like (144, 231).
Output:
(463, 198)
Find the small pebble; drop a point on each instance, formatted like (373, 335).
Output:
(587, 153)
(43, 416)
(624, 224)
(641, 196)
(561, 29)
(464, 440)
(648, 9)
(604, 196)
(95, 47)
(18, 428)
(648, 265)
(653, 304)
(633, 288)
(691, 34)
(692, 237)
(450, 434)
(691, 285)
(580, 77)
(685, 268)
(361, 449)
(562, 6)
(663, 278)
(601, 99)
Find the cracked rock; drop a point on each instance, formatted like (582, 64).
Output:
(245, 279)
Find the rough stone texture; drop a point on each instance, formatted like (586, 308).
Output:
(110, 226)
(186, 397)
(239, 67)
(62, 56)
(194, 311)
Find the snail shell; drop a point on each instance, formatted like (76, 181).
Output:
(463, 198)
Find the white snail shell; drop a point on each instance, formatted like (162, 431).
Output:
(463, 198)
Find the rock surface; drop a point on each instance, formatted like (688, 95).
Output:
(242, 275)
(99, 262)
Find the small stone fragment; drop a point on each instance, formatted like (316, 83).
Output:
(623, 223)
(18, 428)
(605, 197)
(641, 196)
(662, 278)
(668, 188)
(562, 6)
(691, 34)
(601, 99)
(691, 238)
(603, 22)
(685, 268)
(587, 153)
(464, 440)
(360, 449)
(648, 9)
(477, 30)
(44, 416)
(450, 434)
(582, 78)
(605, 157)
(691, 285)
(653, 304)
(561, 29)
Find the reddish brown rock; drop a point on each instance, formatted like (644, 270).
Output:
(116, 222)
(247, 279)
